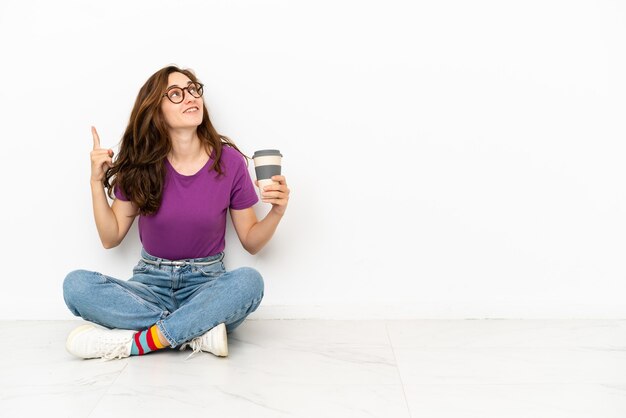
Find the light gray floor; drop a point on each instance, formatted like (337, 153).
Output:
(314, 368)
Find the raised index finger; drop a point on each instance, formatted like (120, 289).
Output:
(96, 138)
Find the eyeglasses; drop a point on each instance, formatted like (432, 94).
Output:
(177, 94)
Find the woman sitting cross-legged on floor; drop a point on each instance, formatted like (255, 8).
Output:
(181, 178)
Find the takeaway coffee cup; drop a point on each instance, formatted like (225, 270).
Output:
(266, 165)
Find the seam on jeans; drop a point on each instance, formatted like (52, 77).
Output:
(137, 298)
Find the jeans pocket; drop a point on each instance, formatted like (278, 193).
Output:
(212, 271)
(141, 267)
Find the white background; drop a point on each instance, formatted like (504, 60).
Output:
(447, 159)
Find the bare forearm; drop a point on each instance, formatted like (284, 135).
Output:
(262, 232)
(254, 234)
(103, 215)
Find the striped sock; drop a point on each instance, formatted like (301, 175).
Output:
(146, 341)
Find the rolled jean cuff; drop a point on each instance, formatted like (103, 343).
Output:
(166, 334)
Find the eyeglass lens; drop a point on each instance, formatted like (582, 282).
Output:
(176, 95)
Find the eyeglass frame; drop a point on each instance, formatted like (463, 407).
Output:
(194, 83)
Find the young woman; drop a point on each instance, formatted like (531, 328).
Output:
(180, 177)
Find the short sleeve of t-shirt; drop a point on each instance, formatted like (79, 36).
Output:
(118, 193)
(242, 195)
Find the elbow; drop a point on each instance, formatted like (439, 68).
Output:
(109, 245)
(252, 251)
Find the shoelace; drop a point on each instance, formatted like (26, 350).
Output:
(112, 347)
(118, 352)
(195, 345)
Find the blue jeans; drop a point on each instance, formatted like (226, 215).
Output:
(183, 301)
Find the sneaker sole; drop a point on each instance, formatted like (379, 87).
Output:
(73, 335)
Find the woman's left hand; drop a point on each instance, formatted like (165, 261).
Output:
(277, 194)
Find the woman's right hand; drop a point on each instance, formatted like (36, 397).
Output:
(101, 158)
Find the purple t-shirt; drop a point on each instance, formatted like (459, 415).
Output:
(191, 222)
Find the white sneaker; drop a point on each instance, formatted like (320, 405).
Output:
(213, 341)
(89, 341)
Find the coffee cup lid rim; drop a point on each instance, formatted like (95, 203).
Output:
(263, 152)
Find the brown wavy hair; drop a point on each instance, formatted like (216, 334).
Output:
(139, 169)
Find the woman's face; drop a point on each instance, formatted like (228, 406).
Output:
(187, 113)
